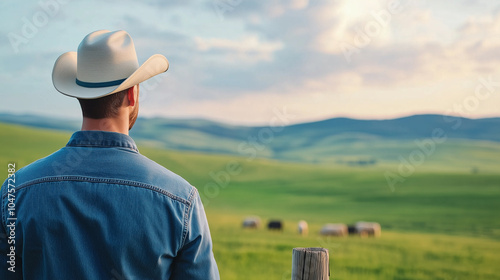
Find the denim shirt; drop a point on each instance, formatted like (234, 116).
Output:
(98, 209)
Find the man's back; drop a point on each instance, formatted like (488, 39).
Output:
(97, 209)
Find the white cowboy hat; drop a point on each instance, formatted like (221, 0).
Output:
(105, 63)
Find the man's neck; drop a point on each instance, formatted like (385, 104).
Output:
(107, 124)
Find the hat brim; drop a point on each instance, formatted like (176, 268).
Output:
(64, 76)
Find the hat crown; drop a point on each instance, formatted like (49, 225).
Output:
(105, 56)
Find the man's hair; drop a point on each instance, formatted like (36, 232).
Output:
(104, 107)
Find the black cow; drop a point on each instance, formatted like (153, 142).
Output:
(352, 229)
(275, 225)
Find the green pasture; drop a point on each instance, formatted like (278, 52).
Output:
(440, 222)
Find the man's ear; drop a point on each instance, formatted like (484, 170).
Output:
(131, 96)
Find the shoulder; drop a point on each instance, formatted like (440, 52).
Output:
(164, 178)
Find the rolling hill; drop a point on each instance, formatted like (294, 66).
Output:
(335, 141)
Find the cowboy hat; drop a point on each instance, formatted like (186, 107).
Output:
(105, 63)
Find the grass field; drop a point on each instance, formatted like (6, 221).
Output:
(440, 223)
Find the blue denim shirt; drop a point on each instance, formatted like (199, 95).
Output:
(98, 209)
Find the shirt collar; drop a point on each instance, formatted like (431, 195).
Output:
(101, 139)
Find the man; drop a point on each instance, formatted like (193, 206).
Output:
(97, 208)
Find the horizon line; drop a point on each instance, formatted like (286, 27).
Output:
(194, 118)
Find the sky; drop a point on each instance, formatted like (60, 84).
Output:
(244, 62)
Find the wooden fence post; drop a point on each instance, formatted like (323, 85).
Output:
(310, 264)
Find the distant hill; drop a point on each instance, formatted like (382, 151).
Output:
(339, 140)
(41, 122)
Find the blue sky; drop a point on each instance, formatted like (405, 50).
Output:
(240, 61)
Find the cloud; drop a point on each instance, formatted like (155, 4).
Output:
(479, 36)
(413, 48)
(299, 4)
(248, 49)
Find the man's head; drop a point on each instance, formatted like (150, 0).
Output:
(104, 75)
(113, 105)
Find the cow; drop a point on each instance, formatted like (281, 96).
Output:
(275, 225)
(334, 230)
(251, 222)
(351, 229)
(368, 229)
(303, 228)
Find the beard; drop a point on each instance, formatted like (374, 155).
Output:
(133, 115)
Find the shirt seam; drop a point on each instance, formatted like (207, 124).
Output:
(186, 216)
(101, 180)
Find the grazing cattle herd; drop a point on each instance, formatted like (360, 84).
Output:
(363, 229)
